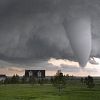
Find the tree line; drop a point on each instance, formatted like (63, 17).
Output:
(59, 81)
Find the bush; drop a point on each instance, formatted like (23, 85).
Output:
(89, 82)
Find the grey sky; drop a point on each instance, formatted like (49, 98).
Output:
(34, 29)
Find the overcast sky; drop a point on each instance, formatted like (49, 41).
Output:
(33, 31)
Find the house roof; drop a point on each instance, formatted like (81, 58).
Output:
(2, 75)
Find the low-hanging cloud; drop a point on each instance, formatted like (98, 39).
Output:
(34, 29)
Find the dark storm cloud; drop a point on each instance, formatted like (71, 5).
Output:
(33, 29)
(30, 30)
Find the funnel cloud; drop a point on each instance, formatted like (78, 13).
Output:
(79, 33)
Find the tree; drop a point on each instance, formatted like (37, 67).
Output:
(59, 81)
(7, 80)
(82, 80)
(89, 82)
(15, 79)
(24, 80)
(31, 80)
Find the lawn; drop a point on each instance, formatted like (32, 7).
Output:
(48, 92)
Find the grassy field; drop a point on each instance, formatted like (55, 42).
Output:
(73, 91)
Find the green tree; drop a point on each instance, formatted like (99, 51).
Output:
(15, 79)
(82, 80)
(59, 81)
(24, 80)
(89, 82)
(7, 80)
(31, 80)
(41, 81)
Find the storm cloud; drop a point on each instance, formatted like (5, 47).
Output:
(34, 29)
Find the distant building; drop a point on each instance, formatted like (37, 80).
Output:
(2, 77)
(35, 73)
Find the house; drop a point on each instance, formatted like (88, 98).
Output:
(2, 77)
(35, 73)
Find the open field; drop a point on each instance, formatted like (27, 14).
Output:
(73, 91)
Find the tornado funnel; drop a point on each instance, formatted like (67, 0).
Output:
(79, 33)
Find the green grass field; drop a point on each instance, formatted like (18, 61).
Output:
(48, 92)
